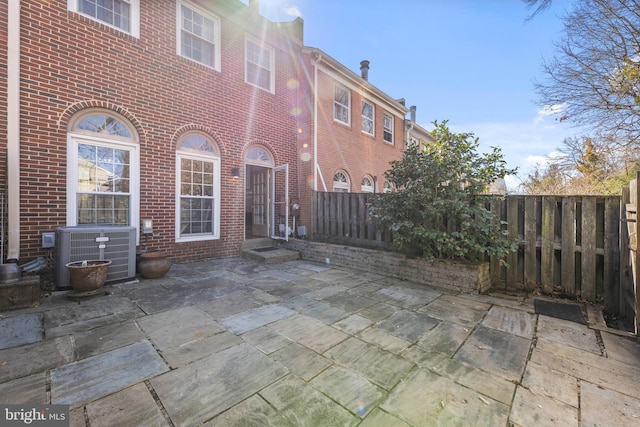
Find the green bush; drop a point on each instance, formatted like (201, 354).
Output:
(438, 207)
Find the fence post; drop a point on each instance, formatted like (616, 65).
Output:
(548, 243)
(568, 255)
(588, 249)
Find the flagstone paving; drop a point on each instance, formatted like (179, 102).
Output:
(235, 343)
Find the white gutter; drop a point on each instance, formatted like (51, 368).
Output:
(13, 129)
(315, 124)
(316, 166)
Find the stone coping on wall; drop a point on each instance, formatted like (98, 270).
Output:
(451, 275)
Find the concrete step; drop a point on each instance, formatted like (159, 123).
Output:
(267, 251)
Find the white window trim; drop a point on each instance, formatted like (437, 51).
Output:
(272, 62)
(217, 34)
(215, 234)
(73, 139)
(373, 118)
(348, 122)
(367, 188)
(74, 6)
(339, 185)
(392, 142)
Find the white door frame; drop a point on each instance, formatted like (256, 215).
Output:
(276, 204)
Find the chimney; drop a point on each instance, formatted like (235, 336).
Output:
(364, 69)
(254, 5)
(412, 111)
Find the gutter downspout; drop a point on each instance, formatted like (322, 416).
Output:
(316, 166)
(13, 129)
(315, 123)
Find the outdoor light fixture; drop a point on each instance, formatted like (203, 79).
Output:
(235, 172)
(147, 226)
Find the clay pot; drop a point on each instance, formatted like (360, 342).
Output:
(153, 264)
(87, 276)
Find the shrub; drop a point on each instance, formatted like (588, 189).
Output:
(438, 207)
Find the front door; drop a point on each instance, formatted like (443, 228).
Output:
(259, 201)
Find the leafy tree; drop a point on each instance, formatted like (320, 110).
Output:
(438, 207)
(587, 165)
(549, 181)
(595, 73)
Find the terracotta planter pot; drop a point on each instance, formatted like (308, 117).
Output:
(153, 264)
(89, 277)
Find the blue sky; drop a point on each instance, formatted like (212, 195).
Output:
(472, 62)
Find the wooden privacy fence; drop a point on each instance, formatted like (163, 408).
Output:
(574, 245)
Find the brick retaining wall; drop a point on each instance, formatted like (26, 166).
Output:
(450, 275)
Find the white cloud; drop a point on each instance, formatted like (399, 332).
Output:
(525, 145)
(550, 110)
(291, 10)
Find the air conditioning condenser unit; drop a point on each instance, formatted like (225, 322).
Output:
(117, 244)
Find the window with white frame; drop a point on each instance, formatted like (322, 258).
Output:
(341, 105)
(121, 14)
(341, 182)
(388, 187)
(388, 128)
(198, 189)
(367, 184)
(259, 65)
(103, 171)
(368, 114)
(198, 35)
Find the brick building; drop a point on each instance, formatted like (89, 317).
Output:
(201, 116)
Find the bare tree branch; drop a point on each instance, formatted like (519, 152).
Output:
(537, 6)
(595, 73)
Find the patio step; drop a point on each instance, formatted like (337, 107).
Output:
(267, 251)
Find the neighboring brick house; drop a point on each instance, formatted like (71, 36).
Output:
(415, 134)
(355, 129)
(195, 114)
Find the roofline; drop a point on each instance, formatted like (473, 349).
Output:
(353, 77)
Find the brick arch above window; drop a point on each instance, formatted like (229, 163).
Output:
(258, 155)
(267, 147)
(71, 114)
(191, 132)
(341, 181)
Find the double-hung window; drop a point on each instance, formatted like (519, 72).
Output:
(121, 14)
(198, 36)
(368, 114)
(341, 105)
(103, 171)
(260, 65)
(388, 128)
(198, 189)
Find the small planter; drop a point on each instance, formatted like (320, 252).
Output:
(153, 264)
(87, 277)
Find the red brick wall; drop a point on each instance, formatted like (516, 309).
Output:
(347, 147)
(69, 59)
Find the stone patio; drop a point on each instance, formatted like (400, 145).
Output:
(233, 342)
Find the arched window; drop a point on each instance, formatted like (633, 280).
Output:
(367, 184)
(388, 187)
(341, 182)
(259, 156)
(197, 188)
(103, 170)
